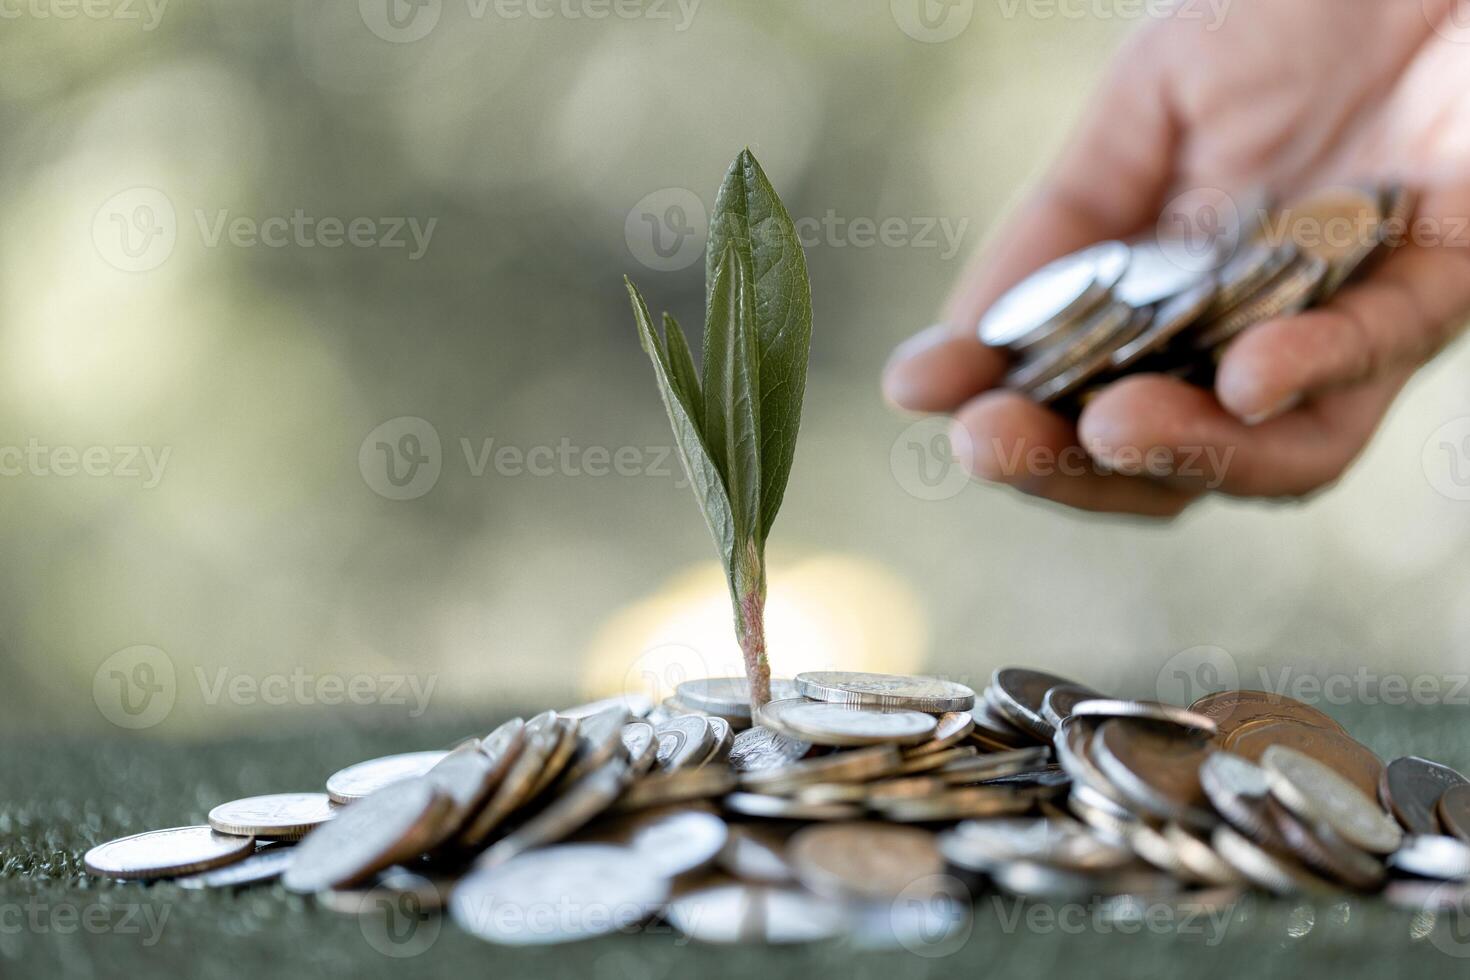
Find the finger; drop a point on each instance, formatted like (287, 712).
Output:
(936, 370)
(1108, 183)
(1004, 437)
(1177, 432)
(1397, 317)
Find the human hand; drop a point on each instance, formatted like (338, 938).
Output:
(1293, 97)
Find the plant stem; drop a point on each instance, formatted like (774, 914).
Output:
(748, 589)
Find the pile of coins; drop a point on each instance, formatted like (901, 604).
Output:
(1163, 305)
(848, 806)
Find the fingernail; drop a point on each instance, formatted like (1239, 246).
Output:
(1280, 408)
(931, 336)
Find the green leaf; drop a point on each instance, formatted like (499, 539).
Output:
(699, 464)
(750, 218)
(682, 370)
(731, 394)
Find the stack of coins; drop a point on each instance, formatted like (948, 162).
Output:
(847, 806)
(1159, 305)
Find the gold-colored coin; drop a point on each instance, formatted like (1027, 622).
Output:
(1287, 294)
(863, 861)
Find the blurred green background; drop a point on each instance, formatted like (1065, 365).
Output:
(544, 551)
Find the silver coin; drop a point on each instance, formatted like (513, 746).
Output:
(991, 765)
(683, 742)
(1075, 347)
(828, 723)
(264, 865)
(559, 894)
(1145, 711)
(755, 854)
(167, 853)
(1057, 704)
(951, 729)
(1018, 693)
(1073, 745)
(544, 734)
(559, 759)
(636, 705)
(563, 816)
(661, 788)
(365, 778)
(1433, 856)
(856, 765)
(722, 739)
(1321, 795)
(1031, 879)
(1154, 275)
(599, 741)
(641, 745)
(467, 776)
(279, 816)
(1053, 296)
(760, 748)
(728, 697)
(929, 694)
(980, 845)
(1263, 869)
(1199, 859)
(677, 843)
(396, 823)
(404, 890)
(750, 914)
(1412, 788)
(784, 808)
(1170, 320)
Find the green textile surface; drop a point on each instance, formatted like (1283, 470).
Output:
(58, 796)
